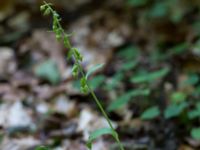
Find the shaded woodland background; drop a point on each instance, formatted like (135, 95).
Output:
(149, 85)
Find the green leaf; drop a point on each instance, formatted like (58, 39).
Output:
(41, 148)
(178, 97)
(150, 113)
(196, 92)
(178, 49)
(96, 81)
(137, 3)
(128, 65)
(150, 77)
(195, 133)
(174, 110)
(196, 26)
(114, 81)
(196, 48)
(159, 9)
(97, 133)
(192, 80)
(129, 53)
(125, 98)
(93, 69)
(48, 70)
(194, 113)
(177, 14)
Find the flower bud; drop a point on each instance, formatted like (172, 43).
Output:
(42, 7)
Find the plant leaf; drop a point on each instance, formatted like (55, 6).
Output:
(174, 110)
(114, 81)
(41, 148)
(194, 113)
(149, 77)
(137, 3)
(97, 133)
(93, 69)
(178, 97)
(192, 80)
(48, 70)
(96, 81)
(125, 98)
(129, 53)
(195, 133)
(128, 65)
(178, 49)
(158, 10)
(150, 113)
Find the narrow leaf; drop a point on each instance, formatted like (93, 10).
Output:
(96, 81)
(137, 3)
(128, 65)
(150, 113)
(129, 53)
(114, 81)
(93, 69)
(195, 133)
(149, 77)
(174, 110)
(124, 99)
(41, 148)
(178, 97)
(48, 70)
(194, 113)
(97, 133)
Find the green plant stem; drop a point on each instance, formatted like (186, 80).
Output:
(105, 115)
(91, 91)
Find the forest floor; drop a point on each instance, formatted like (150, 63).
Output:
(157, 60)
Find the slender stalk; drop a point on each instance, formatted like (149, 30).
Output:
(60, 33)
(106, 116)
(91, 91)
